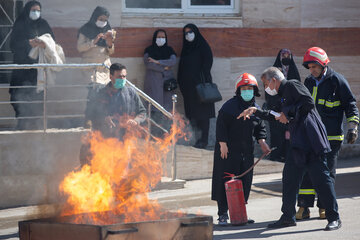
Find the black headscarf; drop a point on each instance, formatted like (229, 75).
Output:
(159, 53)
(293, 72)
(90, 30)
(199, 41)
(25, 29)
(24, 15)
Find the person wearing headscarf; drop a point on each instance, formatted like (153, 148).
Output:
(96, 44)
(27, 27)
(195, 64)
(159, 59)
(285, 62)
(279, 135)
(235, 139)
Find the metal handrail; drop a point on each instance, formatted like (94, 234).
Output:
(88, 65)
(149, 99)
(45, 65)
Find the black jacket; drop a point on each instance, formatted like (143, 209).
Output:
(307, 132)
(239, 136)
(333, 98)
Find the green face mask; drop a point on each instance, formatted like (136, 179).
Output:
(119, 83)
(247, 95)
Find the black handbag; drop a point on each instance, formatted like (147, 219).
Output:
(207, 92)
(170, 84)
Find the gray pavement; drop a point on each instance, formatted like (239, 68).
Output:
(264, 207)
(265, 204)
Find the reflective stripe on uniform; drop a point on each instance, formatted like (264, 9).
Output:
(353, 119)
(314, 93)
(307, 191)
(329, 104)
(337, 138)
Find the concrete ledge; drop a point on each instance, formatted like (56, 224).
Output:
(168, 184)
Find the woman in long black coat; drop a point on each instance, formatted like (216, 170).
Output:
(195, 64)
(234, 149)
(27, 27)
(279, 135)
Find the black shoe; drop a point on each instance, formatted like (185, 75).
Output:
(334, 225)
(282, 224)
(200, 145)
(250, 221)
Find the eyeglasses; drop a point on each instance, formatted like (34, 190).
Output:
(188, 32)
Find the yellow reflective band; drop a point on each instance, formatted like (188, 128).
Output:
(314, 93)
(329, 104)
(353, 119)
(336, 138)
(307, 191)
(332, 104)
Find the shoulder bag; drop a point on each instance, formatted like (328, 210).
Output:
(207, 92)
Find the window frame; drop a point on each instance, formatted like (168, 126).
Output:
(186, 7)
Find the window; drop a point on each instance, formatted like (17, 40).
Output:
(181, 6)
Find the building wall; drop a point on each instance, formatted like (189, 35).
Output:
(245, 42)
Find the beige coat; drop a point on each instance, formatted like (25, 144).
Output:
(92, 53)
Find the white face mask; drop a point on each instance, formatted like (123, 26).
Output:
(34, 15)
(271, 92)
(160, 41)
(101, 24)
(190, 37)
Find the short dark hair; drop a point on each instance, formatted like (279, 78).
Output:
(116, 67)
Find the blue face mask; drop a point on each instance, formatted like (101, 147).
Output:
(119, 83)
(247, 95)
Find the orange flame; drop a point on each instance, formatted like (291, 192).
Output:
(120, 175)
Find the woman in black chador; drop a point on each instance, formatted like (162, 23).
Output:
(27, 27)
(195, 64)
(234, 148)
(279, 135)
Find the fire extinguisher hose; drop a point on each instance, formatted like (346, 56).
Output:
(230, 175)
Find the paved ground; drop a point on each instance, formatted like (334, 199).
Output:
(264, 207)
(265, 203)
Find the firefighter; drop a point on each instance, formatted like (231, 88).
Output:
(234, 149)
(333, 97)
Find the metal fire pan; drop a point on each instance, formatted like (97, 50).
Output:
(190, 226)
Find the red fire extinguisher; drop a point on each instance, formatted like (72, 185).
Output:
(236, 202)
(235, 195)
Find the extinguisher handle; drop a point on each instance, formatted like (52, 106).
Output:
(260, 158)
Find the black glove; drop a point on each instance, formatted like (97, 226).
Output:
(351, 135)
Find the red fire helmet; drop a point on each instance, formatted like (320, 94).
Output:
(315, 55)
(246, 79)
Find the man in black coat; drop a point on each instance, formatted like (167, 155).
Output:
(309, 146)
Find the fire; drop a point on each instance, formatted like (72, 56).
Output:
(120, 175)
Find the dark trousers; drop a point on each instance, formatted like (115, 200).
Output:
(320, 176)
(246, 163)
(307, 200)
(203, 125)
